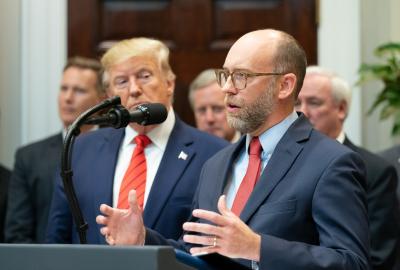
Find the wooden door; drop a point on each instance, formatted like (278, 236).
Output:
(198, 32)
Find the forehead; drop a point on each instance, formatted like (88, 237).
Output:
(251, 53)
(315, 85)
(210, 94)
(134, 64)
(77, 74)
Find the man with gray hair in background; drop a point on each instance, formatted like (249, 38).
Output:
(325, 99)
(207, 101)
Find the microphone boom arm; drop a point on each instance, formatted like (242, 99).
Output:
(66, 171)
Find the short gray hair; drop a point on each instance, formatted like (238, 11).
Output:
(341, 90)
(205, 78)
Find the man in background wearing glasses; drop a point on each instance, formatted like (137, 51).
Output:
(284, 196)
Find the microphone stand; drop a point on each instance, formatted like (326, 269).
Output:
(66, 171)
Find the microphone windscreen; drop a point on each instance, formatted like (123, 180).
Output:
(155, 113)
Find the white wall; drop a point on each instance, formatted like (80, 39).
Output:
(339, 49)
(10, 77)
(43, 56)
(33, 52)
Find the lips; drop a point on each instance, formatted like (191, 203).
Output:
(68, 110)
(232, 106)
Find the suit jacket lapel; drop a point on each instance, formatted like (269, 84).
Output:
(106, 160)
(177, 156)
(281, 161)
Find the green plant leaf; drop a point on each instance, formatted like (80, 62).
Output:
(370, 72)
(387, 48)
(388, 72)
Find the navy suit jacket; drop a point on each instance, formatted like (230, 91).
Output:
(309, 205)
(169, 202)
(31, 189)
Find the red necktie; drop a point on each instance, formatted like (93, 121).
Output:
(135, 175)
(250, 179)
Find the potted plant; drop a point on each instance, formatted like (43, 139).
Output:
(388, 71)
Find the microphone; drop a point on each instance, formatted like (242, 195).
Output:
(119, 116)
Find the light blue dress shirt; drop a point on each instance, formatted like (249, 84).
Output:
(269, 139)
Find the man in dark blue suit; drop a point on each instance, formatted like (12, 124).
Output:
(306, 210)
(138, 71)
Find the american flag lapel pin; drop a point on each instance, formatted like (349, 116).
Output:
(182, 155)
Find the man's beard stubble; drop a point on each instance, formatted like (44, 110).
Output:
(252, 116)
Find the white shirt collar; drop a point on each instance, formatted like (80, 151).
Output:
(270, 138)
(340, 138)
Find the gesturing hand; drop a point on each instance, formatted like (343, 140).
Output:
(122, 227)
(229, 236)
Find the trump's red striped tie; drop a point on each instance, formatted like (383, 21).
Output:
(135, 175)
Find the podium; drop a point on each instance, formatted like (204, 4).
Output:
(87, 257)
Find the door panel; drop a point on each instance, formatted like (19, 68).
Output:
(198, 32)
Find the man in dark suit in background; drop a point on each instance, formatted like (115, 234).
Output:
(392, 155)
(325, 99)
(4, 179)
(171, 153)
(31, 184)
(307, 208)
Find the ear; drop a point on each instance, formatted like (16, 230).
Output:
(343, 108)
(170, 87)
(287, 84)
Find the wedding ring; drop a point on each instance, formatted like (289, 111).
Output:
(215, 241)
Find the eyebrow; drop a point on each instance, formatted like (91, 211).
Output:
(238, 69)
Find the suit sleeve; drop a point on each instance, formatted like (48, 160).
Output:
(60, 218)
(20, 219)
(339, 213)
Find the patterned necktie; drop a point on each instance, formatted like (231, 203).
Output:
(135, 175)
(250, 179)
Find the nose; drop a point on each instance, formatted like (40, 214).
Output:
(229, 87)
(68, 94)
(134, 88)
(209, 115)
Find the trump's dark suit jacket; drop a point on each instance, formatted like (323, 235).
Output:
(383, 208)
(309, 205)
(31, 190)
(4, 179)
(169, 202)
